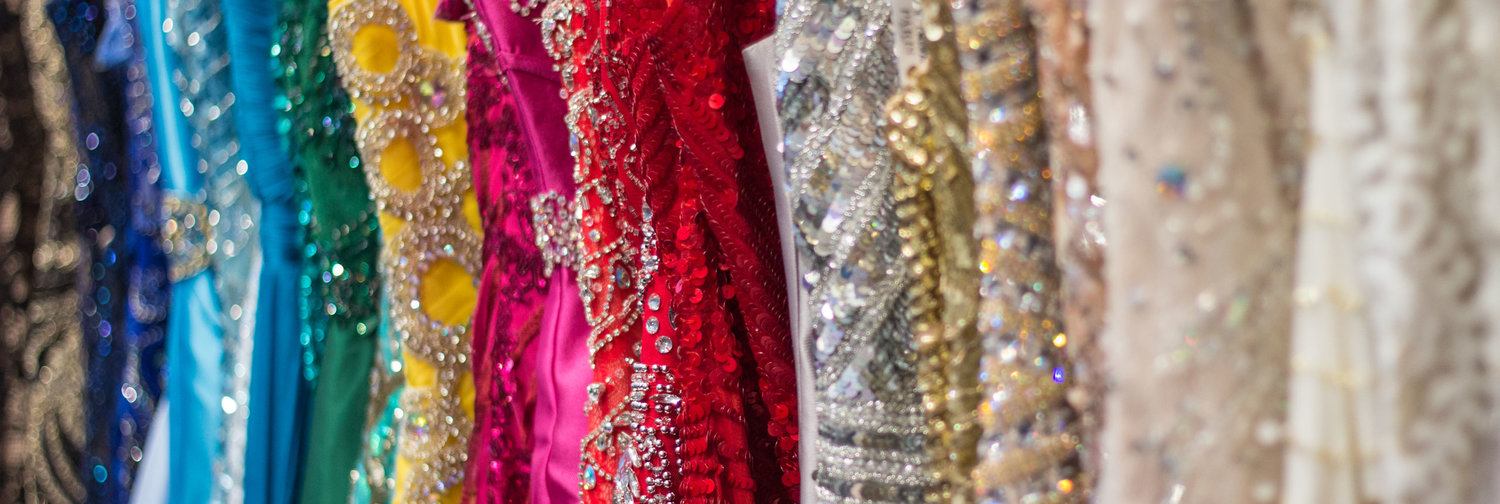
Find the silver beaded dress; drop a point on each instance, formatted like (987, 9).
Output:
(868, 434)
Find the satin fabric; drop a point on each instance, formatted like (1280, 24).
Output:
(194, 330)
(278, 394)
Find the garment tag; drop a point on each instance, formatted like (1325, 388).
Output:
(906, 31)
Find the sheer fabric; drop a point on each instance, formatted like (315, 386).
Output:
(1200, 229)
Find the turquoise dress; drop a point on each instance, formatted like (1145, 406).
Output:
(194, 331)
(278, 395)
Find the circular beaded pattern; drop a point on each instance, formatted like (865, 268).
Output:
(345, 23)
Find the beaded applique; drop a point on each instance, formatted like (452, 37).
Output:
(556, 229)
(1031, 434)
(420, 94)
(185, 235)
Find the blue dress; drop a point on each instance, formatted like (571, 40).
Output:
(278, 395)
(195, 349)
(124, 300)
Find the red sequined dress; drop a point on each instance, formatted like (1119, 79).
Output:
(681, 274)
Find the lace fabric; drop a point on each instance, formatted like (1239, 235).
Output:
(674, 201)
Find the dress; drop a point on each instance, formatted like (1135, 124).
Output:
(147, 298)
(340, 304)
(1394, 337)
(102, 214)
(934, 195)
(1032, 438)
(276, 391)
(200, 39)
(210, 224)
(408, 94)
(43, 431)
(529, 334)
(1200, 229)
(1062, 57)
(869, 433)
(680, 276)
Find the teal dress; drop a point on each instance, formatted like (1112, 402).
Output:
(278, 395)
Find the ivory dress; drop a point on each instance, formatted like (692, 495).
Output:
(1200, 229)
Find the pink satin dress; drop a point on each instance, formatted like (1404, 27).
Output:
(530, 354)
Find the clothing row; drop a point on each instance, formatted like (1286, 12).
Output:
(770, 251)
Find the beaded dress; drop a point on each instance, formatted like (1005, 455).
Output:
(403, 70)
(1032, 443)
(340, 304)
(693, 393)
(1201, 235)
(869, 434)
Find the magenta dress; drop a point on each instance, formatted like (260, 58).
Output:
(529, 336)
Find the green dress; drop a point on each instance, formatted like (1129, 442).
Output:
(340, 284)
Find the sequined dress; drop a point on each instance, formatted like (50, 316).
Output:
(340, 326)
(103, 220)
(1032, 442)
(869, 436)
(680, 276)
(935, 205)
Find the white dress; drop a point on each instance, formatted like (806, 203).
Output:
(1394, 360)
